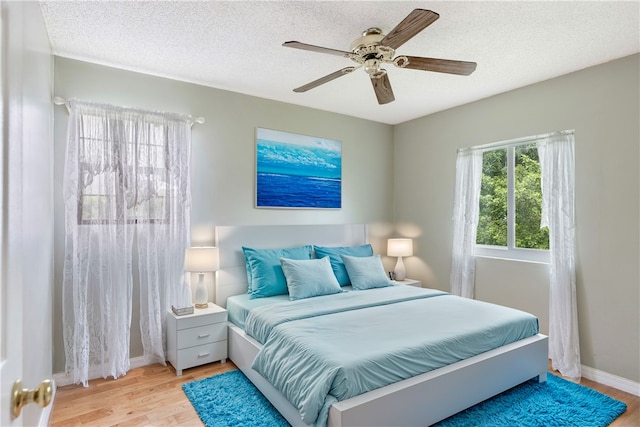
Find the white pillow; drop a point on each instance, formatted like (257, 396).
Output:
(366, 272)
(309, 278)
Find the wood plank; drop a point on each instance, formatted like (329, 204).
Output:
(152, 395)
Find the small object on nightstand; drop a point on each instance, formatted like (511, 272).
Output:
(410, 282)
(181, 311)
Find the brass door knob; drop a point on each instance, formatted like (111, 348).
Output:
(22, 396)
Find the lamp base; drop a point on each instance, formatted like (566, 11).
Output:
(202, 296)
(400, 271)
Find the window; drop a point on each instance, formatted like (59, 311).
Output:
(510, 204)
(138, 168)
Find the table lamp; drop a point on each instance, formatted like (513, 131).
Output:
(201, 260)
(400, 248)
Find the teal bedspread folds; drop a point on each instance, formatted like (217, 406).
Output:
(261, 320)
(338, 346)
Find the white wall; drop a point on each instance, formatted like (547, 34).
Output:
(223, 158)
(601, 104)
(29, 83)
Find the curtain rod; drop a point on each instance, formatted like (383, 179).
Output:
(518, 141)
(61, 101)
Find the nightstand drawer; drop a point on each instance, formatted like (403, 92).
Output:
(201, 354)
(193, 321)
(202, 335)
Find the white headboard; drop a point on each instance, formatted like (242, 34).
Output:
(231, 279)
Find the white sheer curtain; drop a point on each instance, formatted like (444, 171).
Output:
(163, 228)
(556, 153)
(466, 210)
(120, 170)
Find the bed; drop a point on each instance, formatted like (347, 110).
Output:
(414, 398)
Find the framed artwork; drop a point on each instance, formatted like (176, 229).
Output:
(297, 171)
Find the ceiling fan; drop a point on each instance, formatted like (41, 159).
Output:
(375, 48)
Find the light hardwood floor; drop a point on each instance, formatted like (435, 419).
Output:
(152, 396)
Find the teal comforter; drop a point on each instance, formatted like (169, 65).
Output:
(334, 347)
(261, 320)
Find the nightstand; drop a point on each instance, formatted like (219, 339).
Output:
(198, 338)
(410, 282)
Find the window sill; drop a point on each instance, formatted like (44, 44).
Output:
(522, 255)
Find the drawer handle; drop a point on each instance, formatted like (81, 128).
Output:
(203, 354)
(203, 335)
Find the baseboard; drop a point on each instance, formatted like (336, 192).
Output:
(611, 380)
(62, 378)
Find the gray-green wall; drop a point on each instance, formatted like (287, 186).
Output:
(601, 104)
(223, 158)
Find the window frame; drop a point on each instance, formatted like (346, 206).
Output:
(511, 251)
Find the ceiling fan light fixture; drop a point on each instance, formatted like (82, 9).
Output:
(372, 66)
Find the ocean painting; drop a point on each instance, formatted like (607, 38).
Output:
(297, 171)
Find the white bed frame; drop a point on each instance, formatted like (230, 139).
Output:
(417, 401)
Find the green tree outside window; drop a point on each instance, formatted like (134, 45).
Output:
(493, 224)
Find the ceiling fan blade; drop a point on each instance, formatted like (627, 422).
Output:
(462, 68)
(325, 79)
(382, 88)
(320, 49)
(416, 21)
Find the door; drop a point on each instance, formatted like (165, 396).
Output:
(26, 213)
(10, 296)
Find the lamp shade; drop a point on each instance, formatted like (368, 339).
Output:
(400, 247)
(201, 259)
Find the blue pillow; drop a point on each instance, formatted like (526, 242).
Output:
(309, 278)
(257, 254)
(366, 272)
(267, 278)
(334, 254)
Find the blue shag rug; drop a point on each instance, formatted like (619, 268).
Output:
(230, 399)
(557, 402)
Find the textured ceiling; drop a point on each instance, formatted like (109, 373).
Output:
(237, 46)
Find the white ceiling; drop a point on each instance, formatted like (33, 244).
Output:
(236, 46)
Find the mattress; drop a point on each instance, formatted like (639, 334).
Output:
(326, 349)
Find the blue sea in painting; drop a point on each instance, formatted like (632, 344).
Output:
(303, 172)
(298, 191)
